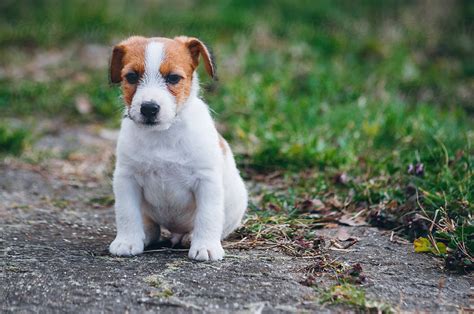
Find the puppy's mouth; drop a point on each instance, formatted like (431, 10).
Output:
(146, 122)
(149, 122)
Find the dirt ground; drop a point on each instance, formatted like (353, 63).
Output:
(57, 221)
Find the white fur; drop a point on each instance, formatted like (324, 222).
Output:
(154, 55)
(175, 174)
(153, 87)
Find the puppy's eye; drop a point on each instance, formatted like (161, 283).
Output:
(132, 77)
(173, 79)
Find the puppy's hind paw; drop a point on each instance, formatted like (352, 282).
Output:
(126, 247)
(183, 240)
(206, 251)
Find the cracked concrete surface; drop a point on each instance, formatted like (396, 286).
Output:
(57, 222)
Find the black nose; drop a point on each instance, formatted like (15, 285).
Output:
(149, 109)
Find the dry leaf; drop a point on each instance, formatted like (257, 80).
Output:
(309, 205)
(330, 225)
(353, 221)
(335, 202)
(342, 234)
(392, 205)
(274, 207)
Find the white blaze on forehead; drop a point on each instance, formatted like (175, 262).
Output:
(154, 55)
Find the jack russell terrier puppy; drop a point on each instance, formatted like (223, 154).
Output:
(173, 169)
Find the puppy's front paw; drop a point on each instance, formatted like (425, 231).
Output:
(206, 251)
(126, 247)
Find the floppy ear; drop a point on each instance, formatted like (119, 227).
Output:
(116, 64)
(197, 48)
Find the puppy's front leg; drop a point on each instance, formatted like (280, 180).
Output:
(208, 224)
(130, 231)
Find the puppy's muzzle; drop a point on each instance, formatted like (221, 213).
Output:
(149, 110)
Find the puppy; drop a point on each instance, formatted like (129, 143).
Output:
(173, 169)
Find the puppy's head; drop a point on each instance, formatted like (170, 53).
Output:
(156, 75)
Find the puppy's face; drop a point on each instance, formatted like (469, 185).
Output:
(157, 76)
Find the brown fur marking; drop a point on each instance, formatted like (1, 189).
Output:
(181, 58)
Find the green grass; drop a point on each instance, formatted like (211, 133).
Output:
(27, 97)
(12, 139)
(351, 295)
(325, 87)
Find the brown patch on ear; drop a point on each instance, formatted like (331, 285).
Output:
(197, 48)
(131, 50)
(116, 64)
(129, 55)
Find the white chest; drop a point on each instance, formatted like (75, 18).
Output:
(167, 188)
(167, 165)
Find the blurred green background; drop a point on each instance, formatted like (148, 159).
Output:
(359, 88)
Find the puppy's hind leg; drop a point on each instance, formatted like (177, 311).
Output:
(181, 240)
(152, 231)
(176, 239)
(152, 228)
